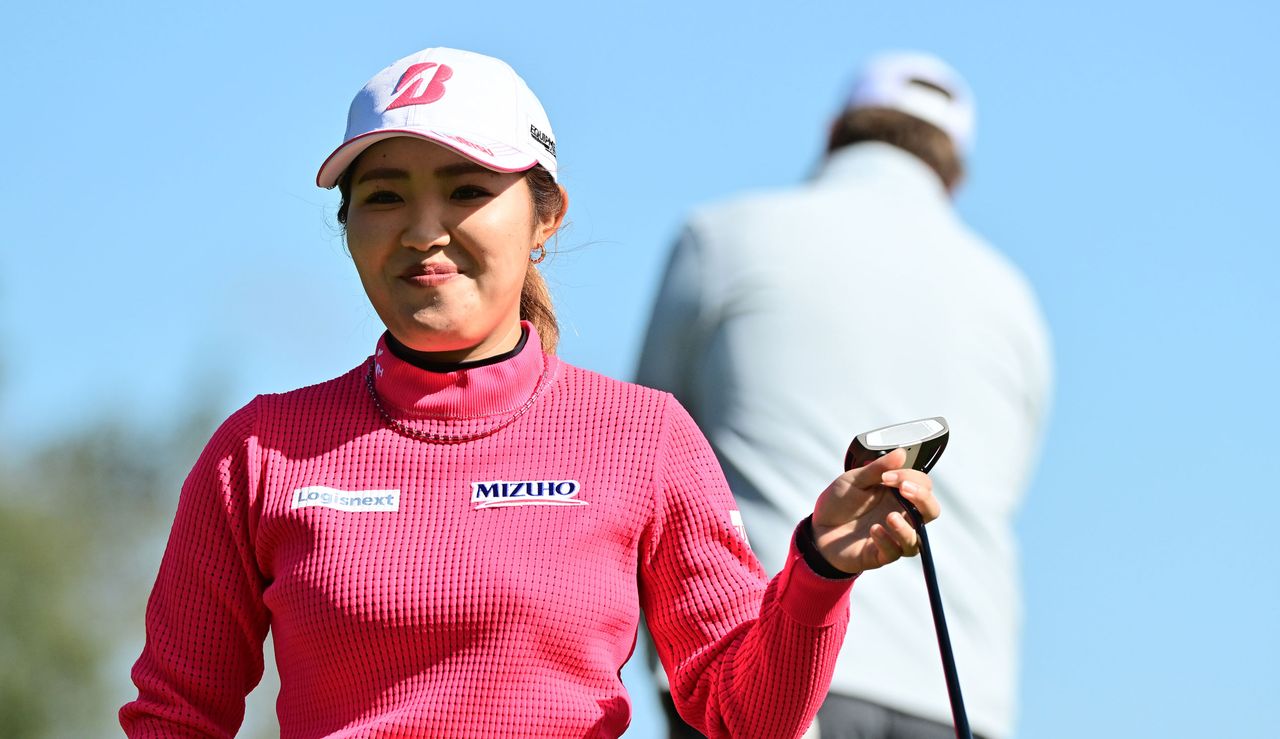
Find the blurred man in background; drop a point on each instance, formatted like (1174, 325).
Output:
(871, 247)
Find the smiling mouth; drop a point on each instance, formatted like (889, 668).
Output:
(429, 275)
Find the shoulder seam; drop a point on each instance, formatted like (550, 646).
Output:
(657, 498)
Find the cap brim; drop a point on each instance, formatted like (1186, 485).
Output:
(485, 152)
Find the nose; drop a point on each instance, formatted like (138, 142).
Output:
(426, 230)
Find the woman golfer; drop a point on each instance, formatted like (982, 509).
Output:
(457, 537)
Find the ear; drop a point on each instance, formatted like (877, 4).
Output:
(548, 228)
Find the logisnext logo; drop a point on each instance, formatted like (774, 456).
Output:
(352, 501)
(502, 493)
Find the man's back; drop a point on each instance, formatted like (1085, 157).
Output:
(754, 330)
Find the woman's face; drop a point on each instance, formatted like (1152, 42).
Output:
(442, 245)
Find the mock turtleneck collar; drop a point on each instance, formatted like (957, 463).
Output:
(424, 360)
(467, 393)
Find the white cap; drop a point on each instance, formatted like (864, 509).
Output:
(921, 85)
(474, 104)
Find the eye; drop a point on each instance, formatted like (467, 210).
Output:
(469, 192)
(381, 197)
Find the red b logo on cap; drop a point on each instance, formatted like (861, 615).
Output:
(412, 81)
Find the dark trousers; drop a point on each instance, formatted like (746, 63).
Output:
(840, 717)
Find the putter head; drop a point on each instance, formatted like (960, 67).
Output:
(924, 441)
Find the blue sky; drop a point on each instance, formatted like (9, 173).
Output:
(165, 246)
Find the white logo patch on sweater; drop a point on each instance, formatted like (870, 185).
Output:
(502, 493)
(352, 501)
(735, 518)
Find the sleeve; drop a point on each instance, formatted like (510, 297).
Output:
(1039, 367)
(681, 314)
(746, 657)
(205, 619)
(1033, 340)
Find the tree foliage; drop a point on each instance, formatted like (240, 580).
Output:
(83, 521)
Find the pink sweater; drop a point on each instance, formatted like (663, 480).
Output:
(481, 588)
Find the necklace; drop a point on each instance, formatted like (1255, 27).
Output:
(431, 438)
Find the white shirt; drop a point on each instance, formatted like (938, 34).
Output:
(789, 321)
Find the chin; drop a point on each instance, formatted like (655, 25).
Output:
(433, 337)
(432, 341)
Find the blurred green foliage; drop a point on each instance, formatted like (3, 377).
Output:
(83, 522)
(44, 649)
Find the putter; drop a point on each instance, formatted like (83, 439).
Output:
(924, 441)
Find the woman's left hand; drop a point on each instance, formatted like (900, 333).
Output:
(859, 525)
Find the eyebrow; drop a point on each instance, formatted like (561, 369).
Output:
(385, 173)
(448, 170)
(461, 168)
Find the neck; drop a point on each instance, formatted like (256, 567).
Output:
(890, 165)
(457, 360)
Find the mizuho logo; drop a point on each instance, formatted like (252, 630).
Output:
(501, 493)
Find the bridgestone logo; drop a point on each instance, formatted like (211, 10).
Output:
(500, 493)
(352, 501)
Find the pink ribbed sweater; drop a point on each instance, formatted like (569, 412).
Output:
(408, 598)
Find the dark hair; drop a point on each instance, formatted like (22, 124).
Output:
(925, 140)
(535, 296)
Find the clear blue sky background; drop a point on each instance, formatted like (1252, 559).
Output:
(164, 245)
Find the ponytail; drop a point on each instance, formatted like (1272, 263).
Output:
(535, 298)
(536, 308)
